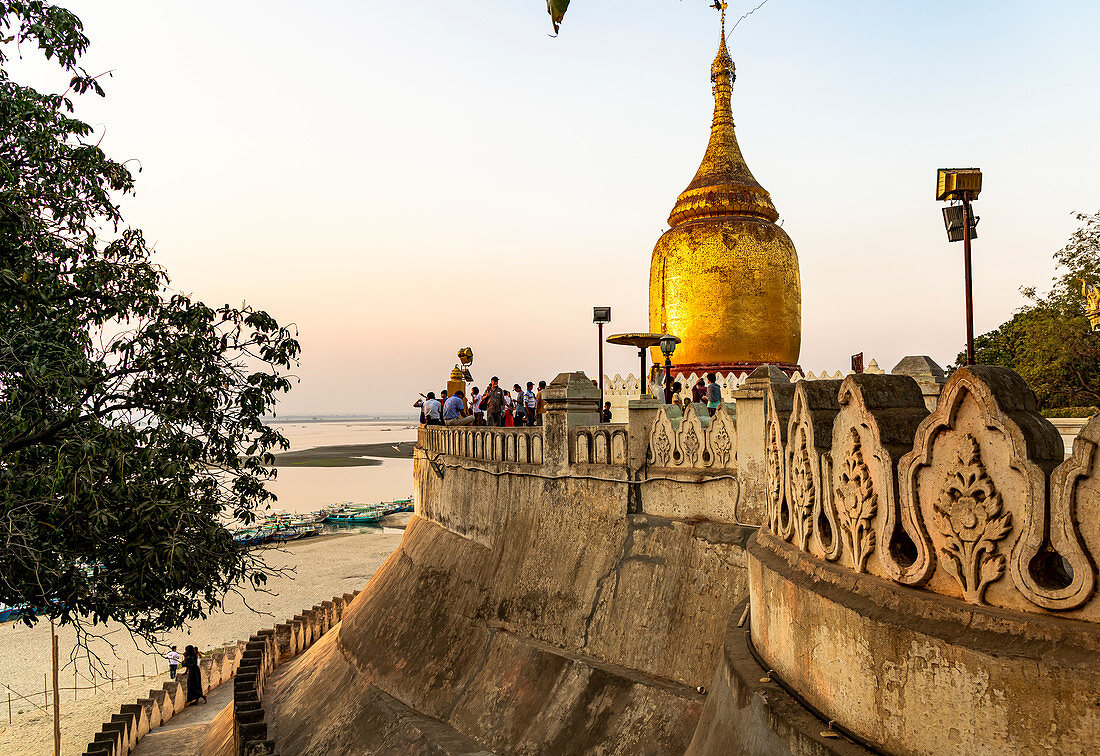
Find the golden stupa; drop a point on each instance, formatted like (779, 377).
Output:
(724, 277)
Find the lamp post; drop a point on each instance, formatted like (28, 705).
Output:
(668, 346)
(600, 315)
(962, 184)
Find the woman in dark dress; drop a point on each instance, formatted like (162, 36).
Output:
(191, 656)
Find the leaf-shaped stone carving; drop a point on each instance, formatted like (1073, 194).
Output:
(970, 516)
(856, 505)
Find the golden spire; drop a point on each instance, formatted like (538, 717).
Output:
(723, 185)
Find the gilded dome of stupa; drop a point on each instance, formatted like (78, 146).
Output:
(724, 277)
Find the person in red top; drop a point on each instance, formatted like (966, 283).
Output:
(699, 392)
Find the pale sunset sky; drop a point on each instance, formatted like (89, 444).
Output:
(401, 179)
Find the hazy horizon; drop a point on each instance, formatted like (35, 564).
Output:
(404, 179)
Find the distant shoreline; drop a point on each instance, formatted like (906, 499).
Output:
(380, 419)
(345, 455)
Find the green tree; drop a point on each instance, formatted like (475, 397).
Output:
(1048, 341)
(131, 424)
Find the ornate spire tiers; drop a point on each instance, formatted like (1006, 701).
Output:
(724, 277)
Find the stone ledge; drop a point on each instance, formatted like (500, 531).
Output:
(999, 632)
(746, 715)
(919, 673)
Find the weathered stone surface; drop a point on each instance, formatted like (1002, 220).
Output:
(918, 673)
(504, 689)
(746, 713)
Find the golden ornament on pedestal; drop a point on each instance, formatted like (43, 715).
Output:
(459, 375)
(724, 277)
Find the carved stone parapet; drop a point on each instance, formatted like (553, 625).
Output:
(693, 440)
(975, 486)
(968, 501)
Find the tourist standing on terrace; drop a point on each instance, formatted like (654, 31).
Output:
(494, 403)
(453, 409)
(605, 415)
(530, 403)
(475, 406)
(518, 411)
(173, 657)
(509, 421)
(677, 387)
(714, 393)
(431, 411)
(540, 410)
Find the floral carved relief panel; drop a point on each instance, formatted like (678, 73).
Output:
(969, 515)
(878, 417)
(856, 505)
(975, 488)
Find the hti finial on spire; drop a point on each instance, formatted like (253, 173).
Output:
(721, 6)
(722, 71)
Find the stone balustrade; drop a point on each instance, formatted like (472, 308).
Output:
(657, 447)
(521, 445)
(599, 444)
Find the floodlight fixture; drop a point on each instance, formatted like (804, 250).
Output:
(601, 314)
(953, 221)
(958, 183)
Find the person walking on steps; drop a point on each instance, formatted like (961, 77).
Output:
(191, 656)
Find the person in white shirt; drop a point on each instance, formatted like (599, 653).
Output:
(173, 658)
(432, 409)
(475, 406)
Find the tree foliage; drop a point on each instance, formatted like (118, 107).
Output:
(1048, 341)
(131, 424)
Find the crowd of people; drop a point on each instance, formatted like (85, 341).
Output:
(709, 394)
(495, 406)
(498, 407)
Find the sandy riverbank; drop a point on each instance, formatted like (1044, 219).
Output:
(345, 455)
(325, 567)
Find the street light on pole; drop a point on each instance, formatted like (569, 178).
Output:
(668, 346)
(600, 315)
(964, 185)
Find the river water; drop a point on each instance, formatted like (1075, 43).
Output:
(305, 489)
